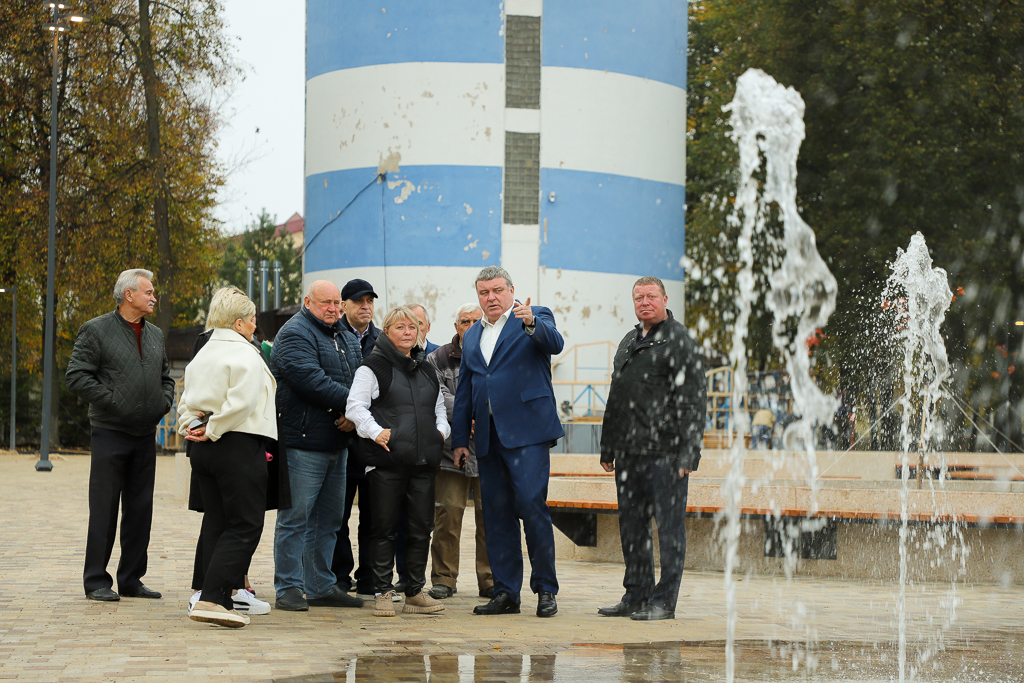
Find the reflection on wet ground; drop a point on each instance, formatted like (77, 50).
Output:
(976, 660)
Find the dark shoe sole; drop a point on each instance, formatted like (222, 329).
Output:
(105, 598)
(514, 610)
(145, 596)
(291, 606)
(645, 617)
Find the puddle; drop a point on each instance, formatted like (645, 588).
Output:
(988, 660)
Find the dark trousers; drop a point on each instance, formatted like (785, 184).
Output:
(389, 489)
(123, 470)
(650, 487)
(514, 486)
(232, 475)
(344, 564)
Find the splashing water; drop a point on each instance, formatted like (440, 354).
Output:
(921, 296)
(767, 119)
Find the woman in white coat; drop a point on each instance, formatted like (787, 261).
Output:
(231, 389)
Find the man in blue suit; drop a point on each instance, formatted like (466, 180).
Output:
(506, 403)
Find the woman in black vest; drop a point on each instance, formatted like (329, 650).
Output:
(397, 407)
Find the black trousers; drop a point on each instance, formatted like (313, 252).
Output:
(123, 470)
(344, 563)
(232, 475)
(389, 490)
(649, 487)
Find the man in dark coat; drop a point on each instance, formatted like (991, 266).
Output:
(505, 386)
(119, 366)
(651, 438)
(314, 360)
(357, 300)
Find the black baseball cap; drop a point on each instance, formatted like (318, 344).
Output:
(354, 289)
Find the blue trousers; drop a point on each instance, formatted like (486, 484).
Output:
(514, 487)
(306, 534)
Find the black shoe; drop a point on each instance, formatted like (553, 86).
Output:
(103, 595)
(337, 598)
(441, 592)
(652, 613)
(141, 592)
(401, 587)
(292, 601)
(499, 604)
(487, 592)
(546, 605)
(623, 609)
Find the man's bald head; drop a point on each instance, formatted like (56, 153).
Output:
(323, 299)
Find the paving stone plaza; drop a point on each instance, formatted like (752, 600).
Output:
(845, 629)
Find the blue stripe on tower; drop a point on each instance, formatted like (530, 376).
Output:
(463, 201)
(342, 35)
(645, 38)
(612, 224)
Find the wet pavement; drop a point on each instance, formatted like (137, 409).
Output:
(804, 629)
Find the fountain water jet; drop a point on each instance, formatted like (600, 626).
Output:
(767, 120)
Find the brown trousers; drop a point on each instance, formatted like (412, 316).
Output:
(451, 491)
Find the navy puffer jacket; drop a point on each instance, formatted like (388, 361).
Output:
(313, 363)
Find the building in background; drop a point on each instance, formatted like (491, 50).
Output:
(548, 138)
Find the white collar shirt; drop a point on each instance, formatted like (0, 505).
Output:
(490, 333)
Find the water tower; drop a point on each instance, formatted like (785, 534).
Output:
(546, 137)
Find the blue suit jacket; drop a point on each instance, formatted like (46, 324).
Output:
(517, 383)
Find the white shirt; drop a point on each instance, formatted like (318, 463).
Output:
(365, 389)
(490, 333)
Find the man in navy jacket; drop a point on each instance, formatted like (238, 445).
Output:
(505, 389)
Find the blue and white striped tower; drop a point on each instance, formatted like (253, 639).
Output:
(547, 137)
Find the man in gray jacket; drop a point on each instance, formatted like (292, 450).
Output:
(119, 366)
(452, 485)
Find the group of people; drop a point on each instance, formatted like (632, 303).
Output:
(339, 410)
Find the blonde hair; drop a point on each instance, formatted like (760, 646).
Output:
(400, 313)
(228, 305)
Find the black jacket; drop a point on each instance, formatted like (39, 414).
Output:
(313, 364)
(126, 392)
(657, 398)
(407, 393)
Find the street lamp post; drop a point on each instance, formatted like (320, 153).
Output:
(14, 358)
(58, 26)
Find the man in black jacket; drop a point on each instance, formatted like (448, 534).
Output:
(314, 359)
(651, 439)
(119, 366)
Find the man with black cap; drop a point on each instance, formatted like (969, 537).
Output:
(357, 301)
(357, 305)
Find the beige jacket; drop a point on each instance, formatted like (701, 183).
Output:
(229, 380)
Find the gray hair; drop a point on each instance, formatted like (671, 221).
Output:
(129, 279)
(426, 316)
(466, 308)
(491, 272)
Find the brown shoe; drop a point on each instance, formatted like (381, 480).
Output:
(383, 605)
(421, 603)
(212, 613)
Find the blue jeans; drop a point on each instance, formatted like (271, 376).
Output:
(306, 534)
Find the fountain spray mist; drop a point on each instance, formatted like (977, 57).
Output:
(921, 296)
(767, 119)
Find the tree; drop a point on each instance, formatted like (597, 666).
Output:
(914, 117)
(260, 242)
(106, 187)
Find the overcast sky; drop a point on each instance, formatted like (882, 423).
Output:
(262, 139)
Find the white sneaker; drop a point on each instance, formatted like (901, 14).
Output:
(247, 603)
(193, 600)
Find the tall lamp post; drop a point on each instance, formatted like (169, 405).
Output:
(58, 26)
(14, 357)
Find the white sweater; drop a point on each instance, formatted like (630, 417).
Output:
(229, 380)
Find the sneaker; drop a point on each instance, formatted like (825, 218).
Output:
(384, 604)
(212, 613)
(421, 603)
(246, 602)
(193, 600)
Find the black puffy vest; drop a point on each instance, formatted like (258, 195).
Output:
(408, 393)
